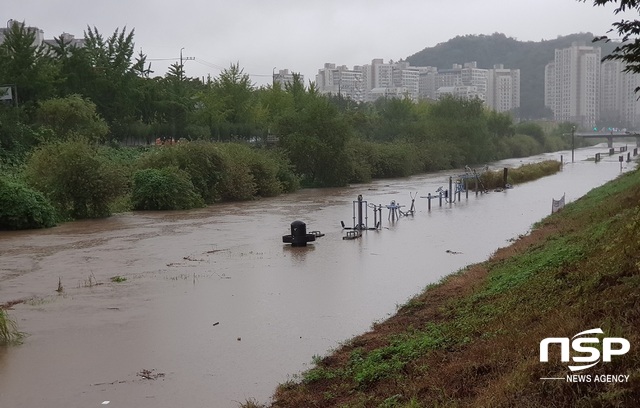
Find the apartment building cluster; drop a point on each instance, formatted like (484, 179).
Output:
(498, 87)
(582, 89)
(39, 36)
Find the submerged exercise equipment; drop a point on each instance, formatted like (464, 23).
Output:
(299, 236)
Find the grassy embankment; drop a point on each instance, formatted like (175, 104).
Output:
(473, 339)
(522, 174)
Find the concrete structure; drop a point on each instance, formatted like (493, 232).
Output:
(341, 81)
(39, 34)
(69, 39)
(572, 85)
(427, 83)
(284, 77)
(619, 105)
(503, 88)
(468, 80)
(407, 77)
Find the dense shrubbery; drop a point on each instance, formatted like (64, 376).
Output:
(202, 161)
(322, 141)
(79, 181)
(22, 207)
(164, 189)
(228, 171)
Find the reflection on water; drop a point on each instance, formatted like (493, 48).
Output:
(218, 304)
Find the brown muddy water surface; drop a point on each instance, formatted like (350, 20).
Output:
(215, 309)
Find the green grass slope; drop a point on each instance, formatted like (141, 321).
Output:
(474, 338)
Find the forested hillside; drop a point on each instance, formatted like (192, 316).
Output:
(487, 50)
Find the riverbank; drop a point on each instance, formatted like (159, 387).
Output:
(473, 339)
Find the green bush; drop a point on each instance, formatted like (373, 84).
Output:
(22, 207)
(256, 169)
(523, 146)
(203, 161)
(72, 116)
(289, 180)
(164, 189)
(395, 160)
(79, 181)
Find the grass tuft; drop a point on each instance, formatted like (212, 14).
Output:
(9, 333)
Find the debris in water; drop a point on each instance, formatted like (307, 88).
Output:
(150, 375)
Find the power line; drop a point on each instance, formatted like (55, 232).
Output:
(216, 66)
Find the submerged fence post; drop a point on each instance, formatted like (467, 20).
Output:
(440, 199)
(452, 195)
(505, 174)
(429, 197)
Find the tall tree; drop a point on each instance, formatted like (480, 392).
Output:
(27, 66)
(627, 30)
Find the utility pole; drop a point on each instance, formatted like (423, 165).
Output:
(181, 63)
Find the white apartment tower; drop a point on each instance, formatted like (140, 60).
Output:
(341, 81)
(572, 85)
(427, 83)
(619, 105)
(503, 88)
(461, 76)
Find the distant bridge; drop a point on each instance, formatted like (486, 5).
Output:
(610, 136)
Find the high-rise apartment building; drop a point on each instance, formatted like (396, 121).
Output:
(503, 88)
(572, 85)
(341, 81)
(427, 83)
(619, 105)
(467, 75)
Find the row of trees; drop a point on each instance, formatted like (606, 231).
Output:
(73, 102)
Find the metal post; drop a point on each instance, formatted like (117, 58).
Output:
(451, 193)
(360, 212)
(440, 199)
(573, 144)
(466, 190)
(429, 197)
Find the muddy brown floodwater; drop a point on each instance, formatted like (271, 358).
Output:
(215, 309)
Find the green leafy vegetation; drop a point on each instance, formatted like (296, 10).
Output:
(9, 333)
(22, 207)
(79, 181)
(168, 188)
(522, 174)
(87, 124)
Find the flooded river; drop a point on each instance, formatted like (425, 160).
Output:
(215, 309)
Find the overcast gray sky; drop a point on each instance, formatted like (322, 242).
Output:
(302, 35)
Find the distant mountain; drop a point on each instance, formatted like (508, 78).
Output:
(487, 50)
